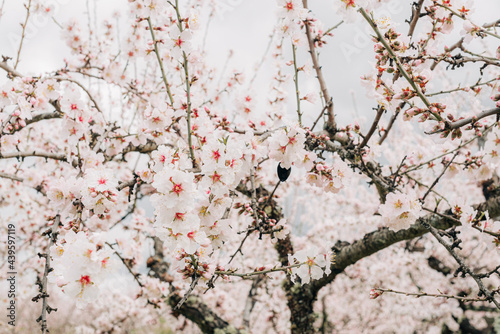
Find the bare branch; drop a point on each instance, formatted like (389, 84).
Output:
(475, 118)
(439, 295)
(9, 70)
(319, 73)
(52, 233)
(380, 111)
(415, 16)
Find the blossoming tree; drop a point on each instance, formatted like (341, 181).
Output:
(267, 218)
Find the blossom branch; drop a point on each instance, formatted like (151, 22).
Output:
(188, 89)
(193, 308)
(319, 73)
(475, 118)
(391, 123)
(84, 89)
(11, 177)
(446, 153)
(296, 80)
(259, 272)
(160, 62)
(463, 18)
(398, 63)
(440, 295)
(478, 84)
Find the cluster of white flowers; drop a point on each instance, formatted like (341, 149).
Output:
(158, 116)
(331, 179)
(292, 13)
(225, 161)
(63, 192)
(287, 146)
(81, 263)
(401, 210)
(99, 193)
(313, 264)
(188, 213)
(176, 223)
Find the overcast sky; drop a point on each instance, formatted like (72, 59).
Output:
(243, 26)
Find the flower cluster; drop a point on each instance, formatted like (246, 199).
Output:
(331, 179)
(312, 264)
(81, 264)
(99, 193)
(174, 204)
(400, 210)
(287, 146)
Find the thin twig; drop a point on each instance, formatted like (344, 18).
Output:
(296, 80)
(28, 7)
(440, 295)
(319, 116)
(188, 89)
(463, 88)
(380, 111)
(319, 73)
(186, 295)
(255, 273)
(446, 153)
(12, 177)
(163, 75)
(135, 275)
(402, 70)
(439, 177)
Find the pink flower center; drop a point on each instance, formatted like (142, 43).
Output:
(216, 155)
(85, 280)
(102, 180)
(216, 177)
(177, 188)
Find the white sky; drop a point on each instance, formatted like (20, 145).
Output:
(244, 26)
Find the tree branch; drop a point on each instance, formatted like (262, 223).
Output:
(326, 96)
(383, 238)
